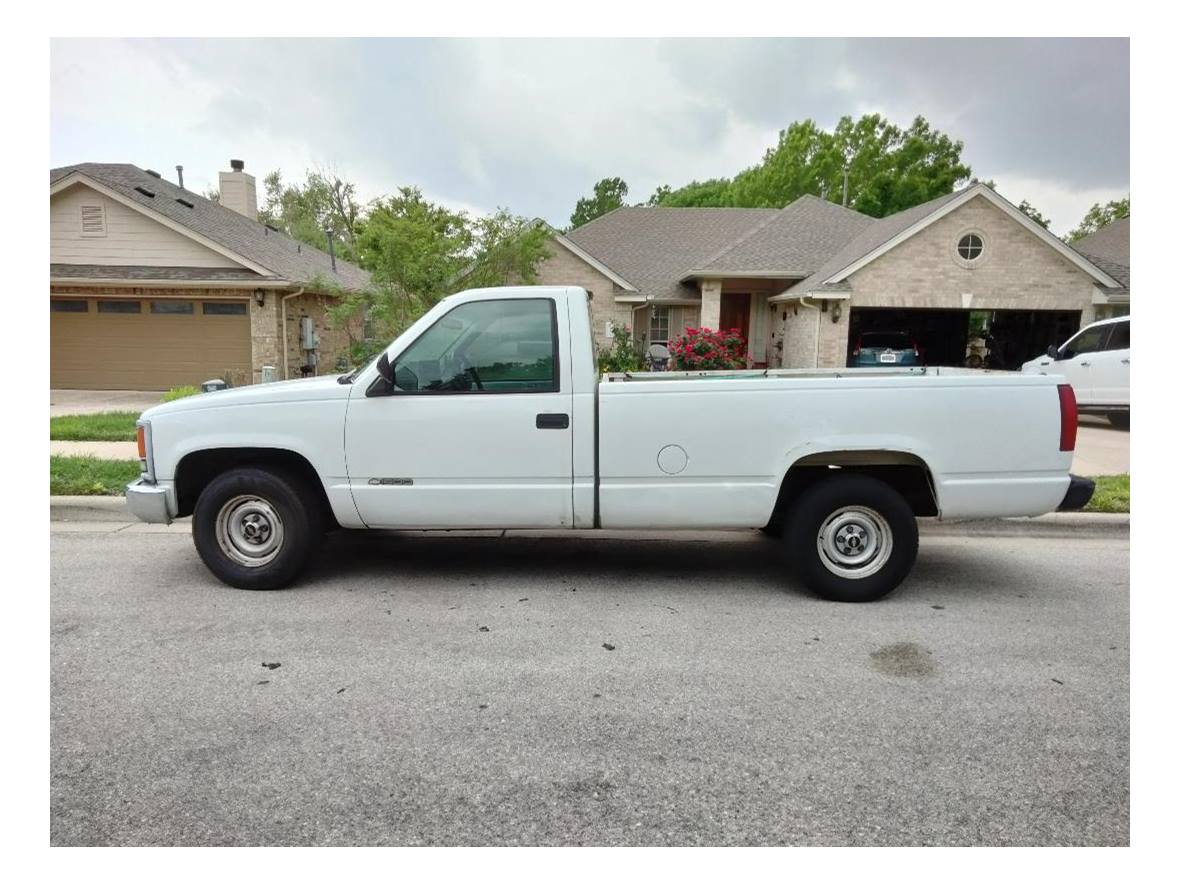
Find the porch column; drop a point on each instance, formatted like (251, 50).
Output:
(710, 304)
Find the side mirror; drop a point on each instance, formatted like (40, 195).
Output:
(383, 367)
(1052, 351)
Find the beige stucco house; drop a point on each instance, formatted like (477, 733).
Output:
(153, 286)
(803, 282)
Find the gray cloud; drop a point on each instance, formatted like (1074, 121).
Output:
(531, 124)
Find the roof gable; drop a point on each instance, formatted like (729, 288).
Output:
(250, 243)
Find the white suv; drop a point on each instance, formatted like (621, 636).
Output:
(1097, 363)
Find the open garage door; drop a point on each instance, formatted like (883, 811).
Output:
(1001, 339)
(130, 344)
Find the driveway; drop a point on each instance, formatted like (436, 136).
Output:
(83, 402)
(1102, 450)
(628, 690)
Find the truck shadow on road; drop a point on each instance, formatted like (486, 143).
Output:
(749, 562)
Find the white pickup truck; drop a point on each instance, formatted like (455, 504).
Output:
(489, 412)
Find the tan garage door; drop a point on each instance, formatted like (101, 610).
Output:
(129, 344)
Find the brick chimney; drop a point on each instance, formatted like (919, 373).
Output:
(238, 191)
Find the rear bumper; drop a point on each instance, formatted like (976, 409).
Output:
(1079, 493)
(149, 502)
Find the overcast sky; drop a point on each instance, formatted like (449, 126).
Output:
(532, 124)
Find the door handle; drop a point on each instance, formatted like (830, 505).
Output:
(1126, 362)
(1083, 364)
(553, 421)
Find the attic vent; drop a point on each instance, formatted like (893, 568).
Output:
(143, 190)
(94, 221)
(182, 201)
(152, 172)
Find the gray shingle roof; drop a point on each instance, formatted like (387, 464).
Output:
(793, 242)
(283, 257)
(150, 272)
(653, 247)
(1110, 248)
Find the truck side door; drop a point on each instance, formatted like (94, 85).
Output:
(475, 430)
(1076, 358)
(1111, 368)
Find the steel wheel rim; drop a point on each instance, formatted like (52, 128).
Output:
(249, 530)
(854, 542)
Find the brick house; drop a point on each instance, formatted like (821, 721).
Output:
(153, 286)
(803, 282)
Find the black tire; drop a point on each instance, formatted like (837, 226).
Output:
(867, 507)
(1121, 420)
(290, 509)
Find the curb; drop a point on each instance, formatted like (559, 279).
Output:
(90, 508)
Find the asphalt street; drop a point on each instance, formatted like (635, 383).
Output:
(543, 690)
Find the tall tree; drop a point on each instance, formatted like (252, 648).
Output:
(888, 168)
(323, 201)
(609, 193)
(1099, 216)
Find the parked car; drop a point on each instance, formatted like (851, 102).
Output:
(488, 412)
(1097, 363)
(886, 349)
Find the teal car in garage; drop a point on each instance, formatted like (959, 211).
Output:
(886, 349)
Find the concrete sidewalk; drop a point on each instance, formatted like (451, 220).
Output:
(86, 402)
(1102, 450)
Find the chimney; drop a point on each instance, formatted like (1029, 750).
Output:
(331, 248)
(180, 176)
(238, 191)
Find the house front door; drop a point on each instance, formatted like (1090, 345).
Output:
(735, 312)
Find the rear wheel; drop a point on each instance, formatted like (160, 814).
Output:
(852, 538)
(256, 527)
(1121, 420)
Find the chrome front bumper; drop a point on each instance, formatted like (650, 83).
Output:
(149, 502)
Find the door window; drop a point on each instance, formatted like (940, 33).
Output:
(1120, 337)
(503, 346)
(1086, 341)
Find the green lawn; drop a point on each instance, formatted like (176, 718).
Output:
(100, 426)
(70, 475)
(1112, 494)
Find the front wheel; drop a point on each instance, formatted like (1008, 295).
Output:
(255, 527)
(852, 538)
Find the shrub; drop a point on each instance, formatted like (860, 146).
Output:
(708, 349)
(180, 393)
(624, 354)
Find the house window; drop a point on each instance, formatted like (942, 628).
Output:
(94, 221)
(118, 307)
(970, 247)
(658, 328)
(224, 308)
(71, 306)
(172, 307)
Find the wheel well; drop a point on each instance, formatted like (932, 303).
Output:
(907, 474)
(197, 469)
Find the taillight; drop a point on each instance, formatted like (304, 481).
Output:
(1069, 417)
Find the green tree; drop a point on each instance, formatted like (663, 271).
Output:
(305, 212)
(609, 193)
(1099, 216)
(888, 168)
(1032, 212)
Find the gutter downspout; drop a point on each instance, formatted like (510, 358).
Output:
(283, 318)
(818, 312)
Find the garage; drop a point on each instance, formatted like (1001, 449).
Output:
(146, 344)
(994, 339)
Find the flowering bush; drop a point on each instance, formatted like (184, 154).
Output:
(704, 349)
